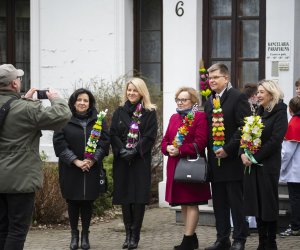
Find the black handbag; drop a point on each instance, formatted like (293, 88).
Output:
(191, 170)
(103, 181)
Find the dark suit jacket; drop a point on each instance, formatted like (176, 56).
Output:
(235, 107)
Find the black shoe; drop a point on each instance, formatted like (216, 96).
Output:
(74, 239)
(218, 245)
(127, 239)
(195, 242)
(85, 243)
(238, 245)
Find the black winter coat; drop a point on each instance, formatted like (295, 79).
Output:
(261, 185)
(132, 180)
(235, 107)
(69, 144)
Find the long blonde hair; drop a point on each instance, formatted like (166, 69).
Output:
(142, 90)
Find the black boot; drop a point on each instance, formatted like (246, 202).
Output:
(127, 219)
(74, 239)
(138, 216)
(195, 242)
(272, 230)
(187, 243)
(85, 243)
(262, 228)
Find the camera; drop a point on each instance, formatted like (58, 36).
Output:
(41, 94)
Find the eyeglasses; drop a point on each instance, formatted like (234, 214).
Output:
(20, 77)
(183, 100)
(214, 77)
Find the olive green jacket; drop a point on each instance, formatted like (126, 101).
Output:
(20, 163)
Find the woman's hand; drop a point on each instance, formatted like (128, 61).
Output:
(89, 162)
(173, 151)
(83, 165)
(246, 161)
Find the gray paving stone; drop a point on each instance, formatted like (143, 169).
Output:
(159, 232)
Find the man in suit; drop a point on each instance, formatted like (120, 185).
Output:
(226, 168)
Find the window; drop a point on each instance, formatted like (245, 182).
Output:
(236, 37)
(148, 41)
(15, 36)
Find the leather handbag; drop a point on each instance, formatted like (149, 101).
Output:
(191, 170)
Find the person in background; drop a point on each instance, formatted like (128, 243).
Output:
(261, 184)
(225, 165)
(78, 175)
(20, 164)
(250, 90)
(133, 132)
(297, 85)
(290, 167)
(186, 195)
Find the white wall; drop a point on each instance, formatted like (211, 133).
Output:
(296, 43)
(182, 49)
(280, 26)
(75, 40)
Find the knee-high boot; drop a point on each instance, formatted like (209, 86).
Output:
(262, 228)
(127, 219)
(138, 216)
(272, 230)
(74, 239)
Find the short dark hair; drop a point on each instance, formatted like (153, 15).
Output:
(219, 66)
(297, 83)
(294, 104)
(250, 89)
(74, 96)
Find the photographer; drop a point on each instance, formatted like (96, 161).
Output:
(20, 164)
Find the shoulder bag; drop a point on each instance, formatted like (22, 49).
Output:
(191, 170)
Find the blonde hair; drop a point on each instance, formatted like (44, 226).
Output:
(274, 90)
(193, 93)
(142, 89)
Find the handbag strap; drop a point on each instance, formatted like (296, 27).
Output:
(197, 149)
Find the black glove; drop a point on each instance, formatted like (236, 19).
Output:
(128, 154)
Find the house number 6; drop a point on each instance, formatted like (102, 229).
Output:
(178, 9)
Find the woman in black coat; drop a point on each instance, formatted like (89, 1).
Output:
(261, 184)
(79, 176)
(133, 132)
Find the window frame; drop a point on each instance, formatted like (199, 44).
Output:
(235, 36)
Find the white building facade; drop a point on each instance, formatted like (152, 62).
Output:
(72, 40)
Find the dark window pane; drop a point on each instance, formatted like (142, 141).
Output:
(151, 14)
(221, 7)
(250, 39)
(22, 40)
(248, 72)
(151, 71)
(221, 38)
(150, 46)
(249, 8)
(3, 35)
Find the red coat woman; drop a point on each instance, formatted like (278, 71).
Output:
(189, 196)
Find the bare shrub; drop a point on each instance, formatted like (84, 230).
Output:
(49, 205)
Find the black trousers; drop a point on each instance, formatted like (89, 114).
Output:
(84, 208)
(15, 218)
(294, 194)
(228, 197)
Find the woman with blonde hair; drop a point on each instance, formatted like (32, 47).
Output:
(261, 184)
(176, 145)
(133, 132)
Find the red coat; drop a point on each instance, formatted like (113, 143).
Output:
(198, 133)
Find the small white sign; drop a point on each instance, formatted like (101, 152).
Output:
(278, 51)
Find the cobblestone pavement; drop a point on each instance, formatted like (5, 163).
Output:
(160, 232)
